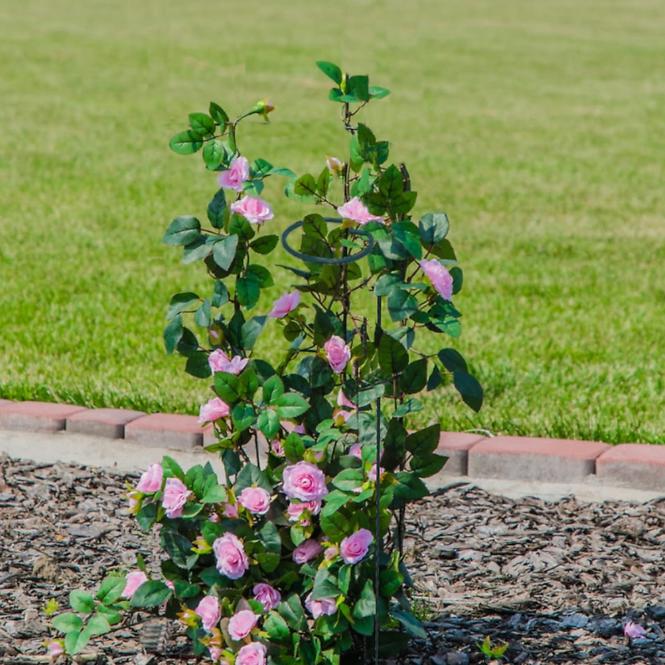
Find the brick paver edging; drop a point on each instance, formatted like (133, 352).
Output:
(508, 457)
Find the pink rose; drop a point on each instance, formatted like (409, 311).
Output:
(343, 400)
(213, 410)
(133, 581)
(209, 611)
(54, 649)
(356, 451)
(216, 654)
(214, 518)
(354, 548)
(230, 510)
(321, 606)
(252, 654)
(307, 550)
(235, 175)
(295, 509)
(634, 631)
(337, 353)
(440, 278)
(220, 362)
(267, 595)
(175, 497)
(298, 429)
(254, 209)
(241, 624)
(230, 556)
(341, 416)
(330, 552)
(285, 304)
(356, 211)
(255, 499)
(277, 448)
(371, 474)
(304, 481)
(170, 584)
(151, 480)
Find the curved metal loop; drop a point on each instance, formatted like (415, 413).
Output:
(308, 258)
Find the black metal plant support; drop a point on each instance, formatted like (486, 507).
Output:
(341, 261)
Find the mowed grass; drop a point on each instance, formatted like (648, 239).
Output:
(538, 127)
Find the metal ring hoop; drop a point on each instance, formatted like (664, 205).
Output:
(308, 258)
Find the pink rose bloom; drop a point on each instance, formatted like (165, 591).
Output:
(337, 353)
(343, 400)
(213, 410)
(285, 304)
(241, 624)
(304, 481)
(354, 548)
(255, 499)
(214, 518)
(209, 611)
(54, 649)
(235, 175)
(295, 509)
(356, 211)
(133, 581)
(216, 654)
(230, 510)
(356, 451)
(299, 429)
(230, 556)
(277, 448)
(170, 584)
(175, 497)
(440, 278)
(267, 595)
(342, 416)
(371, 474)
(321, 606)
(254, 209)
(634, 631)
(252, 654)
(220, 362)
(307, 550)
(330, 552)
(151, 480)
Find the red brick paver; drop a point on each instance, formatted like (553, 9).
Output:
(167, 430)
(102, 422)
(36, 416)
(455, 446)
(524, 458)
(633, 464)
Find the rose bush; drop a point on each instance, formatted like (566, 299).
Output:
(275, 562)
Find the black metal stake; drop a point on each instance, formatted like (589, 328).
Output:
(377, 527)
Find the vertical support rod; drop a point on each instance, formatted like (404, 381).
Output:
(377, 526)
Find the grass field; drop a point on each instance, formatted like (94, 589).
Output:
(538, 127)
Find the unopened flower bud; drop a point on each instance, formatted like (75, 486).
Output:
(335, 166)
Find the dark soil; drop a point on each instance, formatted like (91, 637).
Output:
(555, 580)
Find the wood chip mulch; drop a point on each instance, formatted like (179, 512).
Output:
(555, 580)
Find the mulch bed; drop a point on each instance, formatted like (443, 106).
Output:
(556, 580)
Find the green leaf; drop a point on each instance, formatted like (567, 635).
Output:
(81, 601)
(366, 604)
(180, 303)
(427, 465)
(334, 501)
(276, 627)
(305, 185)
(172, 469)
(412, 626)
(394, 445)
(227, 386)
(469, 388)
(111, 589)
(215, 493)
(386, 284)
(269, 536)
(377, 92)
(202, 124)
(243, 416)
(213, 154)
(182, 230)
(358, 86)
(217, 209)
(424, 441)
(349, 479)
(261, 274)
(218, 114)
(173, 334)
(197, 365)
(393, 357)
(331, 70)
(292, 611)
(98, 625)
(415, 377)
(406, 234)
(458, 278)
(250, 331)
(264, 244)
(273, 388)
(150, 594)
(248, 290)
(224, 251)
(291, 405)
(401, 304)
(76, 641)
(251, 476)
(433, 227)
(186, 143)
(196, 250)
(452, 360)
(268, 422)
(325, 585)
(67, 622)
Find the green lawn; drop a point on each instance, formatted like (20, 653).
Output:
(538, 127)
